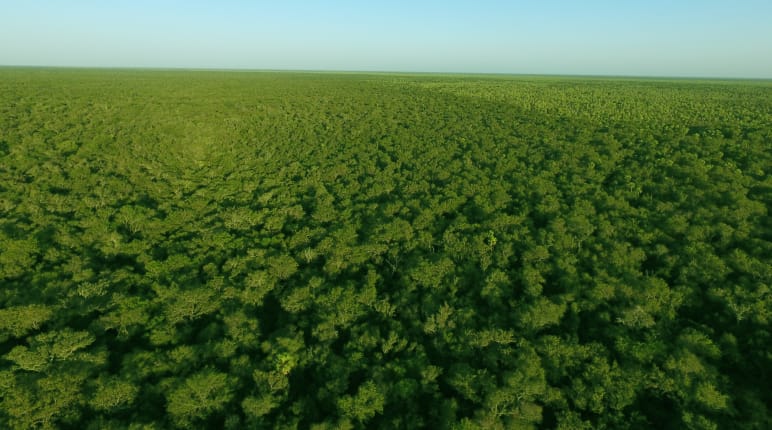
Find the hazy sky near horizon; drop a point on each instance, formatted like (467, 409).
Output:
(700, 38)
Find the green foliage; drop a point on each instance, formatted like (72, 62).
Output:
(365, 404)
(113, 394)
(198, 397)
(294, 250)
(17, 321)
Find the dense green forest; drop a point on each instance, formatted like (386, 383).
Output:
(311, 250)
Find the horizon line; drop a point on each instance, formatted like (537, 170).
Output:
(386, 72)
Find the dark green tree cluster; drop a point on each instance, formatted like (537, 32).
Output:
(287, 250)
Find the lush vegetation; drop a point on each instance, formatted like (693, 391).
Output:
(277, 250)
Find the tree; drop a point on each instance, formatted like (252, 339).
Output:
(198, 397)
(365, 404)
(18, 321)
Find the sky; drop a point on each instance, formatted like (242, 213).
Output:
(679, 38)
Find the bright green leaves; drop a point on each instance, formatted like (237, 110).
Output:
(17, 321)
(497, 286)
(257, 285)
(710, 397)
(129, 314)
(490, 239)
(31, 361)
(42, 403)
(746, 302)
(243, 329)
(46, 384)
(484, 338)
(535, 264)
(440, 321)
(256, 407)
(51, 348)
(286, 354)
(512, 400)
(282, 266)
(198, 397)
(113, 394)
(66, 147)
(297, 299)
(262, 275)
(189, 305)
(241, 219)
(603, 387)
(636, 317)
(542, 313)
(272, 380)
(133, 220)
(285, 362)
(431, 274)
(365, 404)
(16, 257)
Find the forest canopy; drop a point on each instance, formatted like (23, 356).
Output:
(311, 250)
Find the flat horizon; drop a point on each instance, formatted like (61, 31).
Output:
(387, 72)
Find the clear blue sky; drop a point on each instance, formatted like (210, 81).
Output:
(703, 38)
